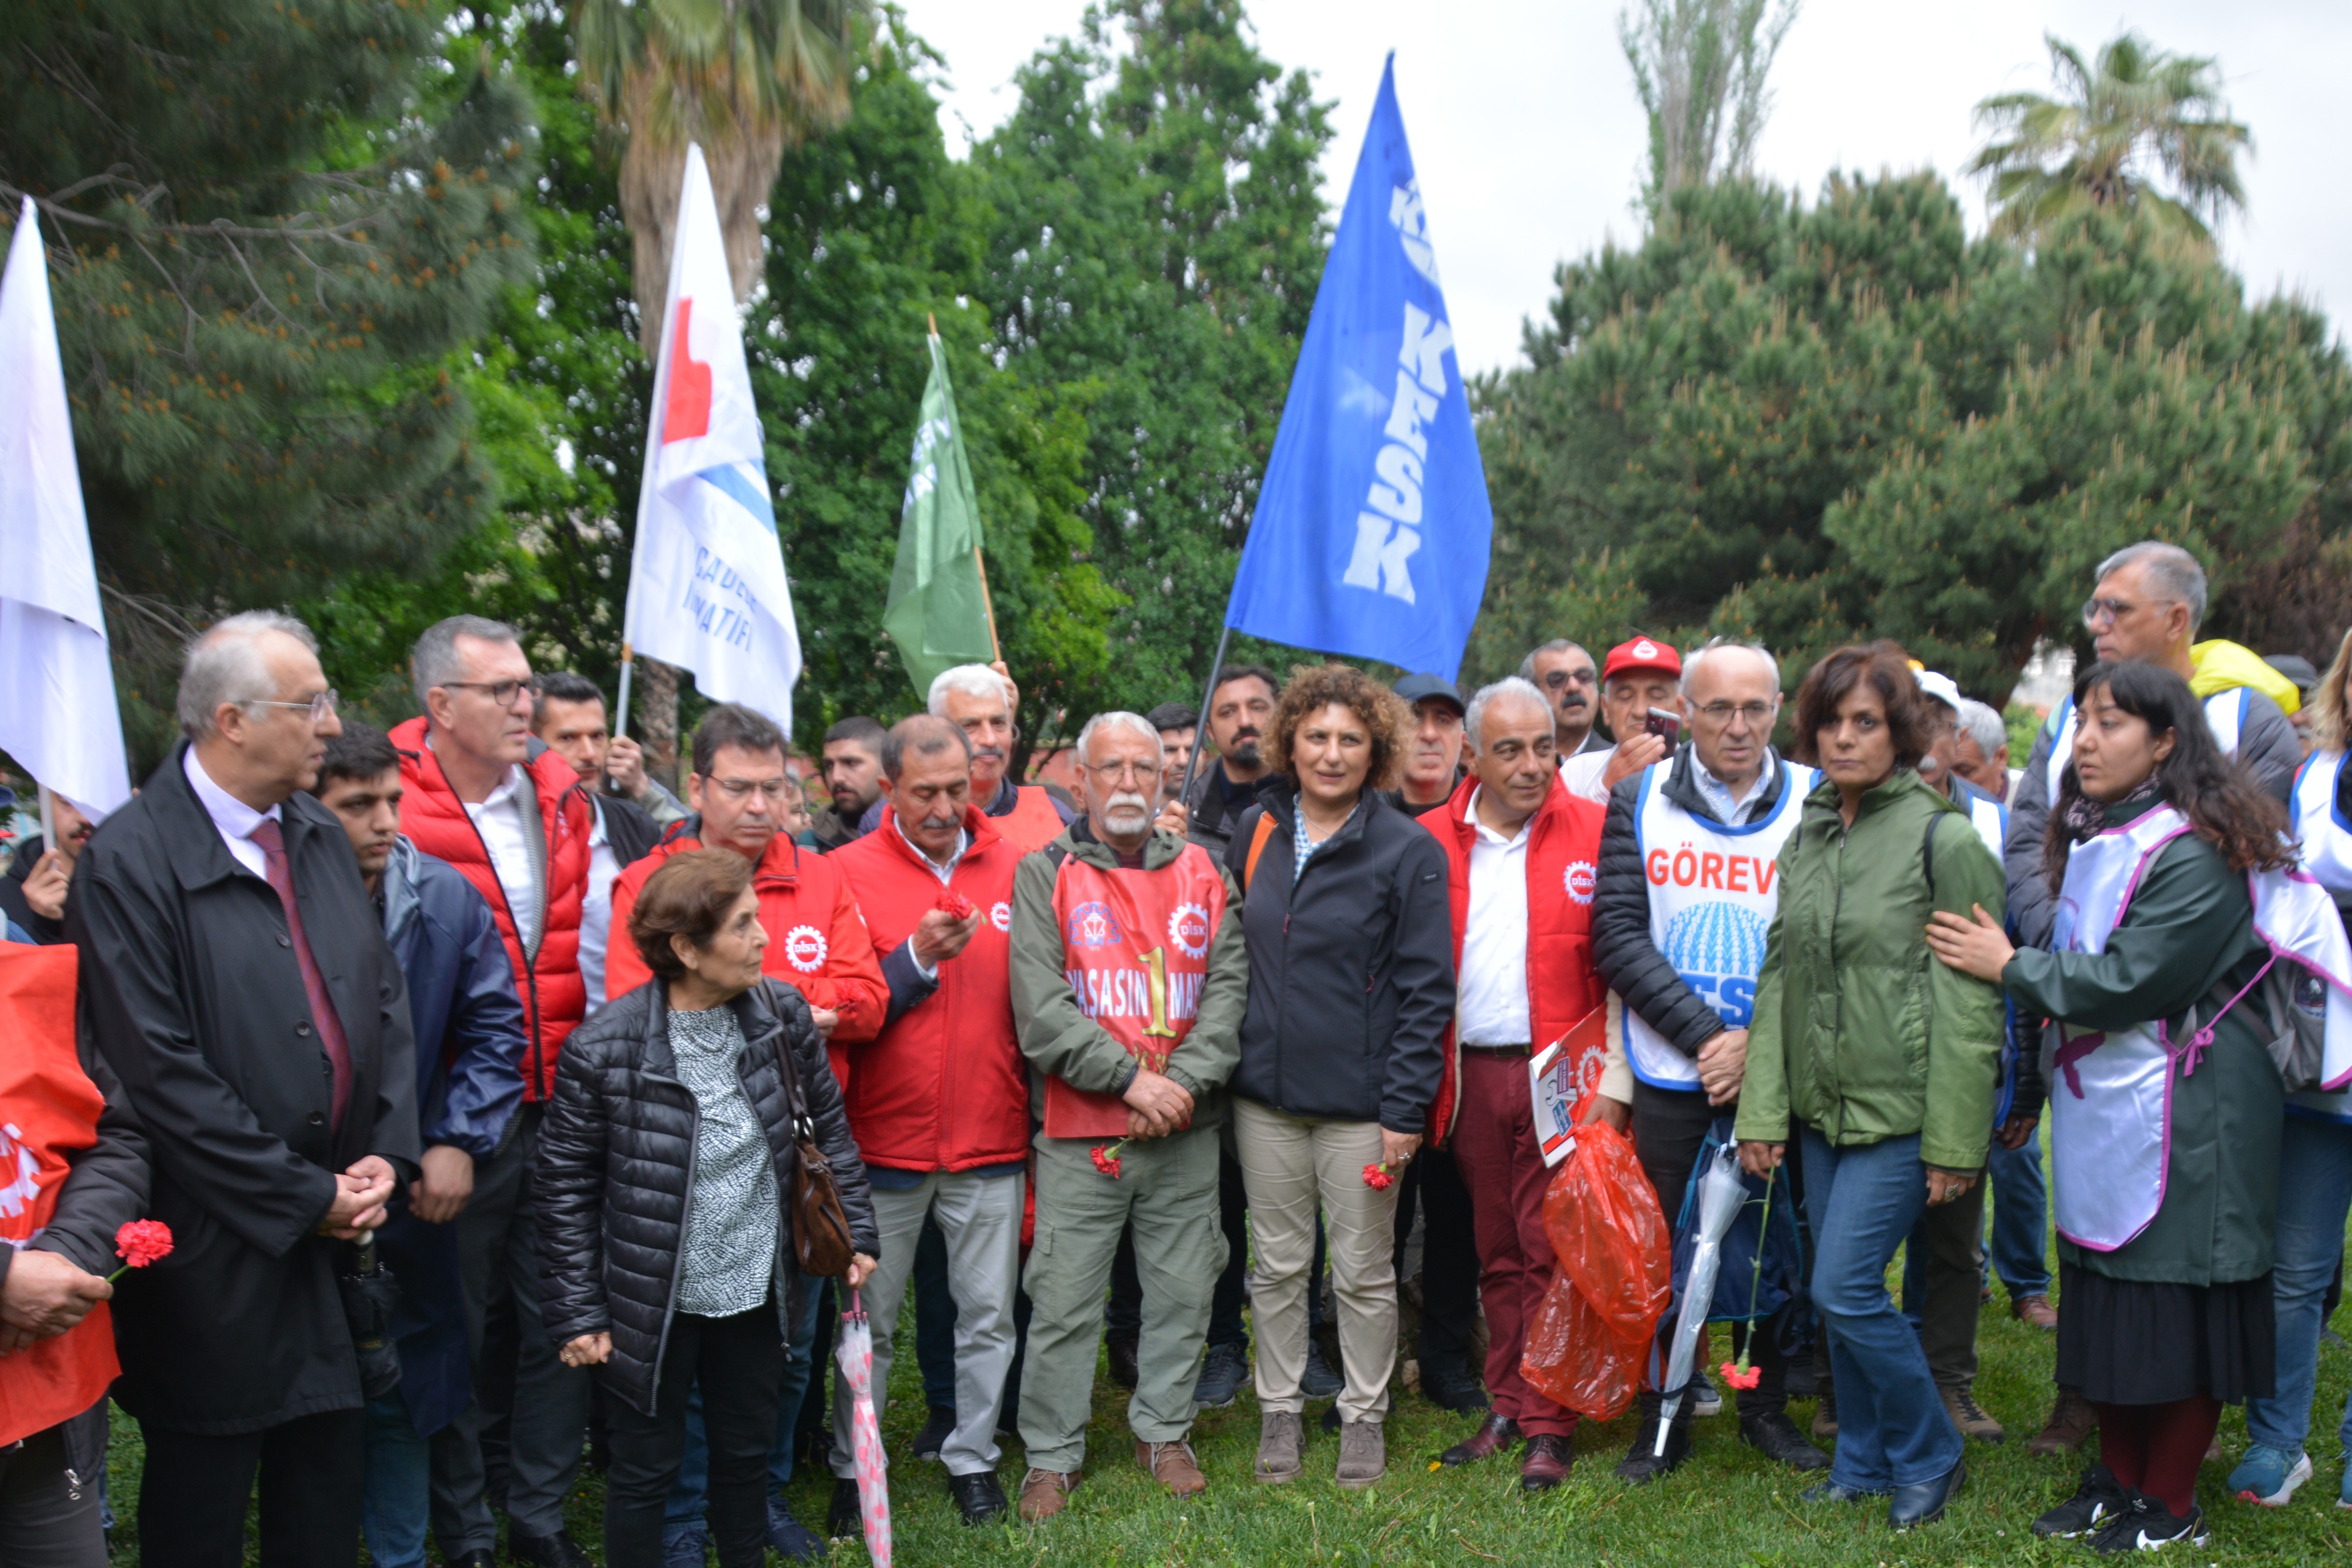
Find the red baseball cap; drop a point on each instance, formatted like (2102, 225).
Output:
(1641, 653)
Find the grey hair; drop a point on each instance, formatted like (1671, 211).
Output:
(972, 680)
(1557, 644)
(224, 665)
(1979, 722)
(2172, 569)
(1118, 719)
(435, 661)
(1509, 686)
(1721, 645)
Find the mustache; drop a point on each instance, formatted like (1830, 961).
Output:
(988, 754)
(1126, 800)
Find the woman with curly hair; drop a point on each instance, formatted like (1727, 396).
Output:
(1351, 985)
(2165, 1102)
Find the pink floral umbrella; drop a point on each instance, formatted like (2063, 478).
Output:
(856, 1353)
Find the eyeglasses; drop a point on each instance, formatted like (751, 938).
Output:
(1721, 712)
(317, 707)
(2109, 611)
(744, 789)
(502, 692)
(1117, 772)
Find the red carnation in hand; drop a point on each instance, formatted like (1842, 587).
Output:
(139, 1243)
(954, 905)
(1377, 1177)
(1106, 1158)
(1742, 1375)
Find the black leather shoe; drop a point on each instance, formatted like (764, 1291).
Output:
(937, 1429)
(1122, 1352)
(1777, 1437)
(556, 1551)
(1495, 1434)
(479, 1557)
(1924, 1503)
(1452, 1388)
(1642, 1463)
(978, 1495)
(841, 1516)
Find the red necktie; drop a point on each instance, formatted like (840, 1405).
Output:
(281, 874)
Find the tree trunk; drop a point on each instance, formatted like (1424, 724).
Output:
(653, 168)
(656, 718)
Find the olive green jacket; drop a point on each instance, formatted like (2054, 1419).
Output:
(1859, 1032)
(2187, 939)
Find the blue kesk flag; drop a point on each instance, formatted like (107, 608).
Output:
(1371, 528)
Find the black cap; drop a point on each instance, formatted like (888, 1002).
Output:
(1414, 687)
(2295, 668)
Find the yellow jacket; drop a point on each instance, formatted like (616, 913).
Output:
(2226, 665)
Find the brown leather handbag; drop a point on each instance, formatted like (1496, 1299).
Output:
(821, 1244)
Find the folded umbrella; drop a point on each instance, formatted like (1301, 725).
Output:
(1720, 1195)
(856, 1353)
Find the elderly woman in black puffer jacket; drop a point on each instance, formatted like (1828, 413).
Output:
(665, 1241)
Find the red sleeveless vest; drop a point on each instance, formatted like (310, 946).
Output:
(1032, 823)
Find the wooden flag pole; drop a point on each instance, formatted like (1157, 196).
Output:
(995, 646)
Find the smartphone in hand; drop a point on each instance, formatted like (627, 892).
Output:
(1666, 724)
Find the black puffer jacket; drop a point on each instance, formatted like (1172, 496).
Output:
(1621, 948)
(615, 1159)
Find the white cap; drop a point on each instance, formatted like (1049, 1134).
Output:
(1940, 687)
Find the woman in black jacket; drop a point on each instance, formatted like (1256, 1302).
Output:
(665, 1244)
(1351, 987)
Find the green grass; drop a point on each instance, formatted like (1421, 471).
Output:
(1726, 1505)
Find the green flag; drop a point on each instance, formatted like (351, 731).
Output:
(938, 612)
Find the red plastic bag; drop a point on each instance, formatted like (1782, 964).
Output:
(1612, 1280)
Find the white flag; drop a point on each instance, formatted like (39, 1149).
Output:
(706, 588)
(57, 717)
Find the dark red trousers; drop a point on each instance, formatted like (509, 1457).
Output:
(1493, 1144)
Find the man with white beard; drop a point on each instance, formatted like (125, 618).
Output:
(1128, 983)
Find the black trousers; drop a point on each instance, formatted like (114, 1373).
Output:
(48, 1520)
(1449, 1257)
(1669, 1128)
(193, 1490)
(739, 1360)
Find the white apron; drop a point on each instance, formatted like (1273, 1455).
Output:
(2326, 840)
(2225, 715)
(1713, 892)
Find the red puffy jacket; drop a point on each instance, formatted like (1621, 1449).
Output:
(944, 1087)
(554, 999)
(816, 940)
(1563, 865)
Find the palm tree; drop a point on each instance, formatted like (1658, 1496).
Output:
(746, 79)
(2134, 111)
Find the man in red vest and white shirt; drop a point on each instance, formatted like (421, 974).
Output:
(978, 701)
(938, 1102)
(817, 941)
(480, 793)
(1522, 858)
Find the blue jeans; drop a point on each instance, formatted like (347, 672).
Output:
(2314, 1192)
(397, 1492)
(1863, 1201)
(2021, 1219)
(688, 1496)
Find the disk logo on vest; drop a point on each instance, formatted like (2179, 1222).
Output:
(1580, 878)
(1093, 925)
(1718, 949)
(1187, 928)
(805, 949)
(999, 915)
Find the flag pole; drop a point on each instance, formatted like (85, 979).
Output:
(1216, 668)
(995, 646)
(628, 666)
(49, 823)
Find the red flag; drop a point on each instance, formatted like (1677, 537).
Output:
(48, 1108)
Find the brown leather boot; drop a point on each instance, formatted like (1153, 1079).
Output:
(1173, 1465)
(2036, 1310)
(1495, 1434)
(1546, 1463)
(1043, 1494)
(2072, 1421)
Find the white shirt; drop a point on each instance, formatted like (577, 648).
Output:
(1581, 775)
(235, 820)
(503, 819)
(596, 910)
(944, 873)
(1491, 997)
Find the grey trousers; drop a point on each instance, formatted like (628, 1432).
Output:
(980, 1217)
(498, 1257)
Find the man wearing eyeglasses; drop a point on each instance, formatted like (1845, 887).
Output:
(481, 792)
(1686, 891)
(1570, 682)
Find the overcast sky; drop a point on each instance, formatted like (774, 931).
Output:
(1528, 139)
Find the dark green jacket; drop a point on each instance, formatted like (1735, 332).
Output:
(1061, 1041)
(2187, 939)
(1859, 1032)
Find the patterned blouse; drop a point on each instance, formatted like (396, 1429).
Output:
(731, 1213)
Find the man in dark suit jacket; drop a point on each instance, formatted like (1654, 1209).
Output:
(235, 979)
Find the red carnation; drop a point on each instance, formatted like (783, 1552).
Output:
(1377, 1177)
(954, 905)
(139, 1242)
(1742, 1375)
(1106, 1158)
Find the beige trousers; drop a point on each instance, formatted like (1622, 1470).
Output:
(1292, 1166)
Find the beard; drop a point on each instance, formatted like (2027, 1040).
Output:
(1244, 749)
(1126, 812)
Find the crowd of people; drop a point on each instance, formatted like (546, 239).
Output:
(622, 1099)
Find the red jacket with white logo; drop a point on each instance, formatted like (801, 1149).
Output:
(554, 999)
(1563, 860)
(943, 1087)
(817, 942)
